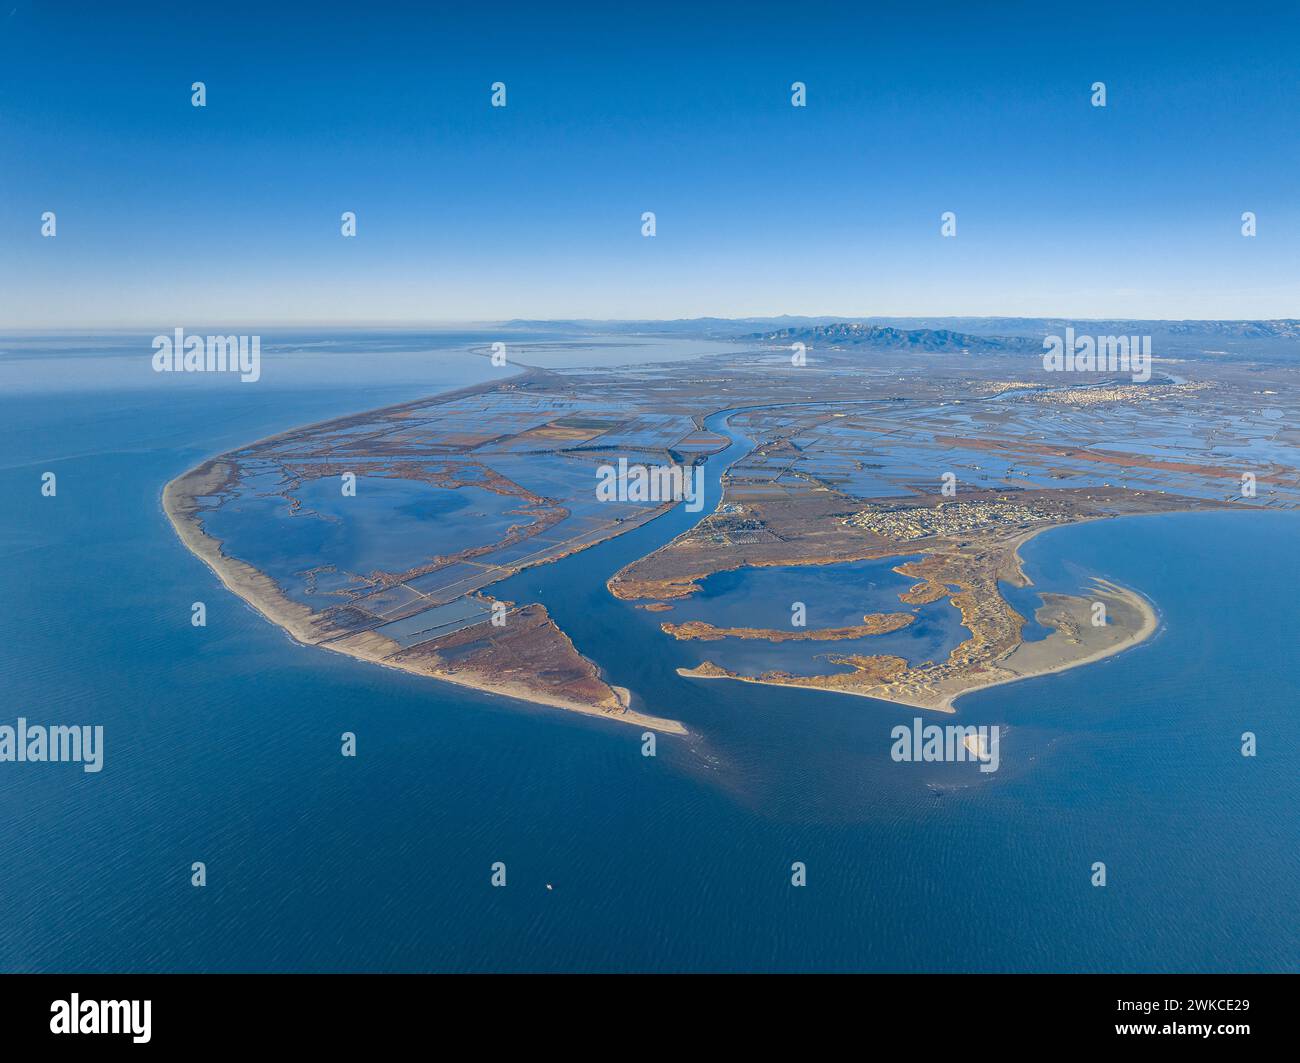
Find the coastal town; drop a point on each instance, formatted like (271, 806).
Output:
(950, 519)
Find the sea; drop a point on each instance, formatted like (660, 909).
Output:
(222, 744)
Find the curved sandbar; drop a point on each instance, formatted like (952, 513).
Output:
(1074, 642)
(485, 658)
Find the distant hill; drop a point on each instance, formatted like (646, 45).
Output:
(1275, 340)
(889, 338)
(1286, 329)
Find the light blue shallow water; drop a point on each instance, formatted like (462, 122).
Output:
(831, 596)
(222, 745)
(388, 525)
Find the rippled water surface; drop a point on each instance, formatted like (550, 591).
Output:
(222, 745)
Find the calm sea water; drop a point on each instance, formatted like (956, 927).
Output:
(222, 745)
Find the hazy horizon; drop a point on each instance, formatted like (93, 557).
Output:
(451, 323)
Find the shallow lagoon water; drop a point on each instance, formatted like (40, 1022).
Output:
(832, 596)
(389, 525)
(222, 745)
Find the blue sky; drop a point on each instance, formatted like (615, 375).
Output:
(170, 214)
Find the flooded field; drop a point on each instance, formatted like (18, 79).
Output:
(324, 542)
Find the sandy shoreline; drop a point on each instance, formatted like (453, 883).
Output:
(1150, 623)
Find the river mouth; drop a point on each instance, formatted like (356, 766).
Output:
(574, 589)
(627, 643)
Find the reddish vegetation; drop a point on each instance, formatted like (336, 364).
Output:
(922, 593)
(529, 652)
